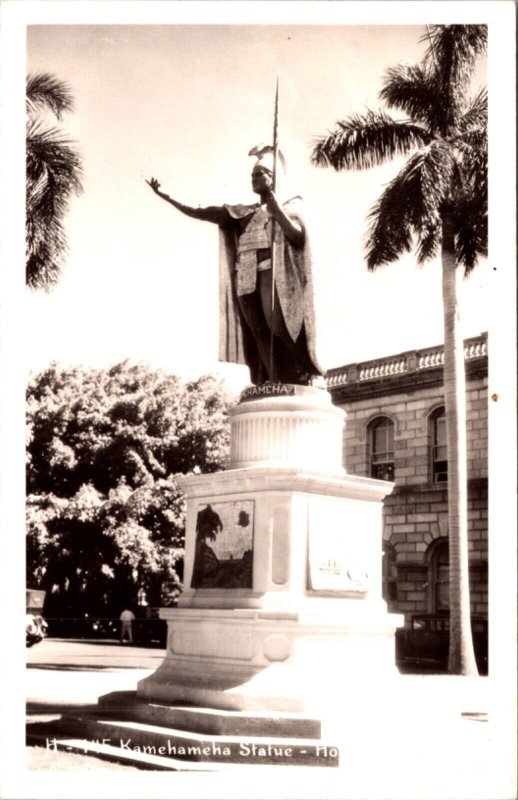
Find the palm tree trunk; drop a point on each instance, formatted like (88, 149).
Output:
(461, 660)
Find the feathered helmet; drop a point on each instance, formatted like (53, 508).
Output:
(265, 158)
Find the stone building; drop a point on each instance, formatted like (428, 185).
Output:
(395, 430)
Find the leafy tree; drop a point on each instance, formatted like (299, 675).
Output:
(53, 174)
(104, 511)
(437, 204)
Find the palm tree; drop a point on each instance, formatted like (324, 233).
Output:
(437, 204)
(53, 173)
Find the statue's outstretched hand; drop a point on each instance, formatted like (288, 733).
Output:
(154, 184)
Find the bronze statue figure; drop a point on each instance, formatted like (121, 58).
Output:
(252, 316)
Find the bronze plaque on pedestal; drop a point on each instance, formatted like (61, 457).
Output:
(224, 545)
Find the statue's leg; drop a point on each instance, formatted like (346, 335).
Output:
(252, 311)
(292, 357)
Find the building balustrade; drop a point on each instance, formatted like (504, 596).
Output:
(405, 363)
(382, 368)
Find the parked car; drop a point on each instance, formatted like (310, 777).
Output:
(424, 646)
(35, 629)
(35, 625)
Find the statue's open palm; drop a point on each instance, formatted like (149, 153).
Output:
(155, 185)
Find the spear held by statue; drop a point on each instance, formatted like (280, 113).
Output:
(273, 248)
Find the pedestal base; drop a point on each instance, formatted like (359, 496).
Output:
(262, 660)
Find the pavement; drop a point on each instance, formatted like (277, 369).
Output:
(63, 674)
(92, 654)
(437, 737)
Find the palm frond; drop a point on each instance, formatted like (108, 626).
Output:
(454, 49)
(43, 264)
(364, 141)
(53, 174)
(475, 116)
(468, 205)
(451, 55)
(470, 224)
(472, 147)
(44, 91)
(473, 155)
(411, 89)
(52, 165)
(389, 235)
(428, 243)
(411, 204)
(470, 244)
(42, 271)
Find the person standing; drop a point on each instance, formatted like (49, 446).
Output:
(127, 616)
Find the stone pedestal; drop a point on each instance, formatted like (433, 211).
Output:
(282, 607)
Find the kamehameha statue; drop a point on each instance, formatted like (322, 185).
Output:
(273, 333)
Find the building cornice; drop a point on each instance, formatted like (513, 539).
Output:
(403, 373)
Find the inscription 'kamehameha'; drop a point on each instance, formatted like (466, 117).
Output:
(267, 390)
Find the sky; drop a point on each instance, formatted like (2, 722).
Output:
(185, 103)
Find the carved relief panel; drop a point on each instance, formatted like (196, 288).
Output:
(224, 545)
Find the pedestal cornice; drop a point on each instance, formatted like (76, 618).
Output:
(293, 479)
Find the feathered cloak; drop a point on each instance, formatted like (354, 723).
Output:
(294, 283)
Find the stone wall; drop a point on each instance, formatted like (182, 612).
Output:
(407, 391)
(410, 414)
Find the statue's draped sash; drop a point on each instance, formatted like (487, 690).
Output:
(294, 282)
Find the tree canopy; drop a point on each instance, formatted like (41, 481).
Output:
(104, 513)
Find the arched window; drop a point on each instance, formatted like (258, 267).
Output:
(381, 449)
(438, 441)
(389, 573)
(439, 576)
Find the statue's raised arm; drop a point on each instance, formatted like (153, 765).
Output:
(217, 214)
(253, 317)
